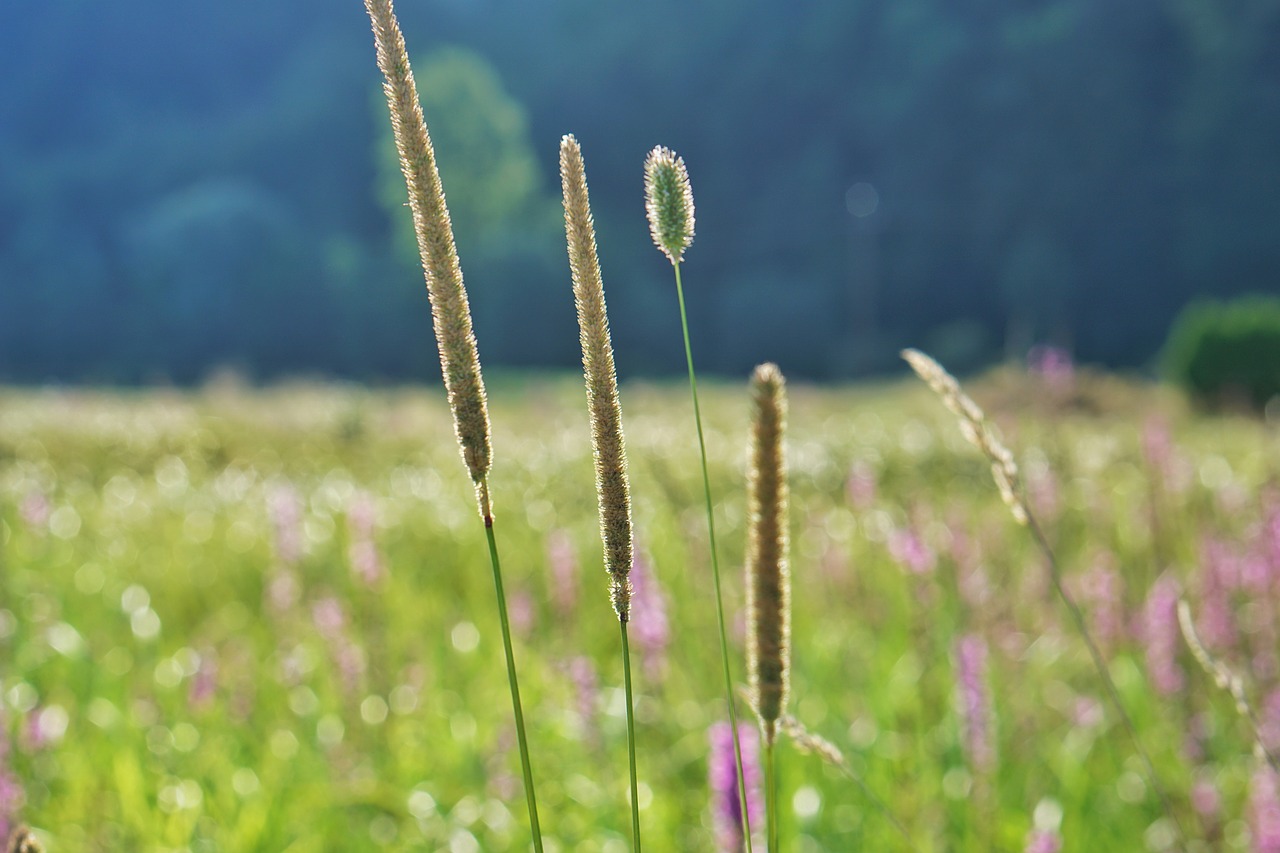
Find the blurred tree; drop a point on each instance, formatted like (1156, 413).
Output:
(508, 227)
(1034, 162)
(484, 153)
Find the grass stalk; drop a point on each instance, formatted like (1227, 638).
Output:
(715, 563)
(771, 797)
(631, 740)
(525, 766)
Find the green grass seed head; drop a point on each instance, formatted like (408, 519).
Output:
(450, 311)
(607, 442)
(668, 202)
(768, 572)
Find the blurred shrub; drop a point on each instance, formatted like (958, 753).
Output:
(1227, 353)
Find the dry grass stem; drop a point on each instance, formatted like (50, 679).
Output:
(976, 428)
(607, 442)
(668, 202)
(1224, 679)
(768, 574)
(450, 312)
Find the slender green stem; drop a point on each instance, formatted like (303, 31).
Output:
(715, 567)
(631, 740)
(771, 798)
(515, 687)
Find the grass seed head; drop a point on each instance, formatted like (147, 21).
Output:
(612, 489)
(768, 573)
(668, 202)
(450, 311)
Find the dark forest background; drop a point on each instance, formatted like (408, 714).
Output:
(187, 186)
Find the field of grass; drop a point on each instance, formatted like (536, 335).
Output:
(264, 620)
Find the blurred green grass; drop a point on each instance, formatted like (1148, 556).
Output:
(138, 562)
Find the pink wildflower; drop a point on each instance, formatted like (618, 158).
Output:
(911, 552)
(726, 805)
(1205, 798)
(285, 508)
(1044, 841)
(204, 682)
(1053, 365)
(648, 626)
(586, 685)
(1102, 593)
(362, 549)
(523, 612)
(564, 573)
(1219, 576)
(1162, 636)
(975, 701)
(35, 510)
(1264, 810)
(860, 487)
(348, 657)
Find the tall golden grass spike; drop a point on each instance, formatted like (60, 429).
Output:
(450, 312)
(607, 442)
(768, 573)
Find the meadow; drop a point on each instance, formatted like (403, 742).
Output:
(238, 619)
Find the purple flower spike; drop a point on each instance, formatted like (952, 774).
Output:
(285, 508)
(975, 701)
(362, 551)
(1162, 636)
(649, 627)
(726, 809)
(1264, 811)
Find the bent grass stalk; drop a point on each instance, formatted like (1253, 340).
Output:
(1225, 680)
(669, 206)
(608, 446)
(979, 432)
(451, 319)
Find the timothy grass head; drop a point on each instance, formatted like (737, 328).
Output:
(612, 489)
(768, 572)
(668, 202)
(450, 311)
